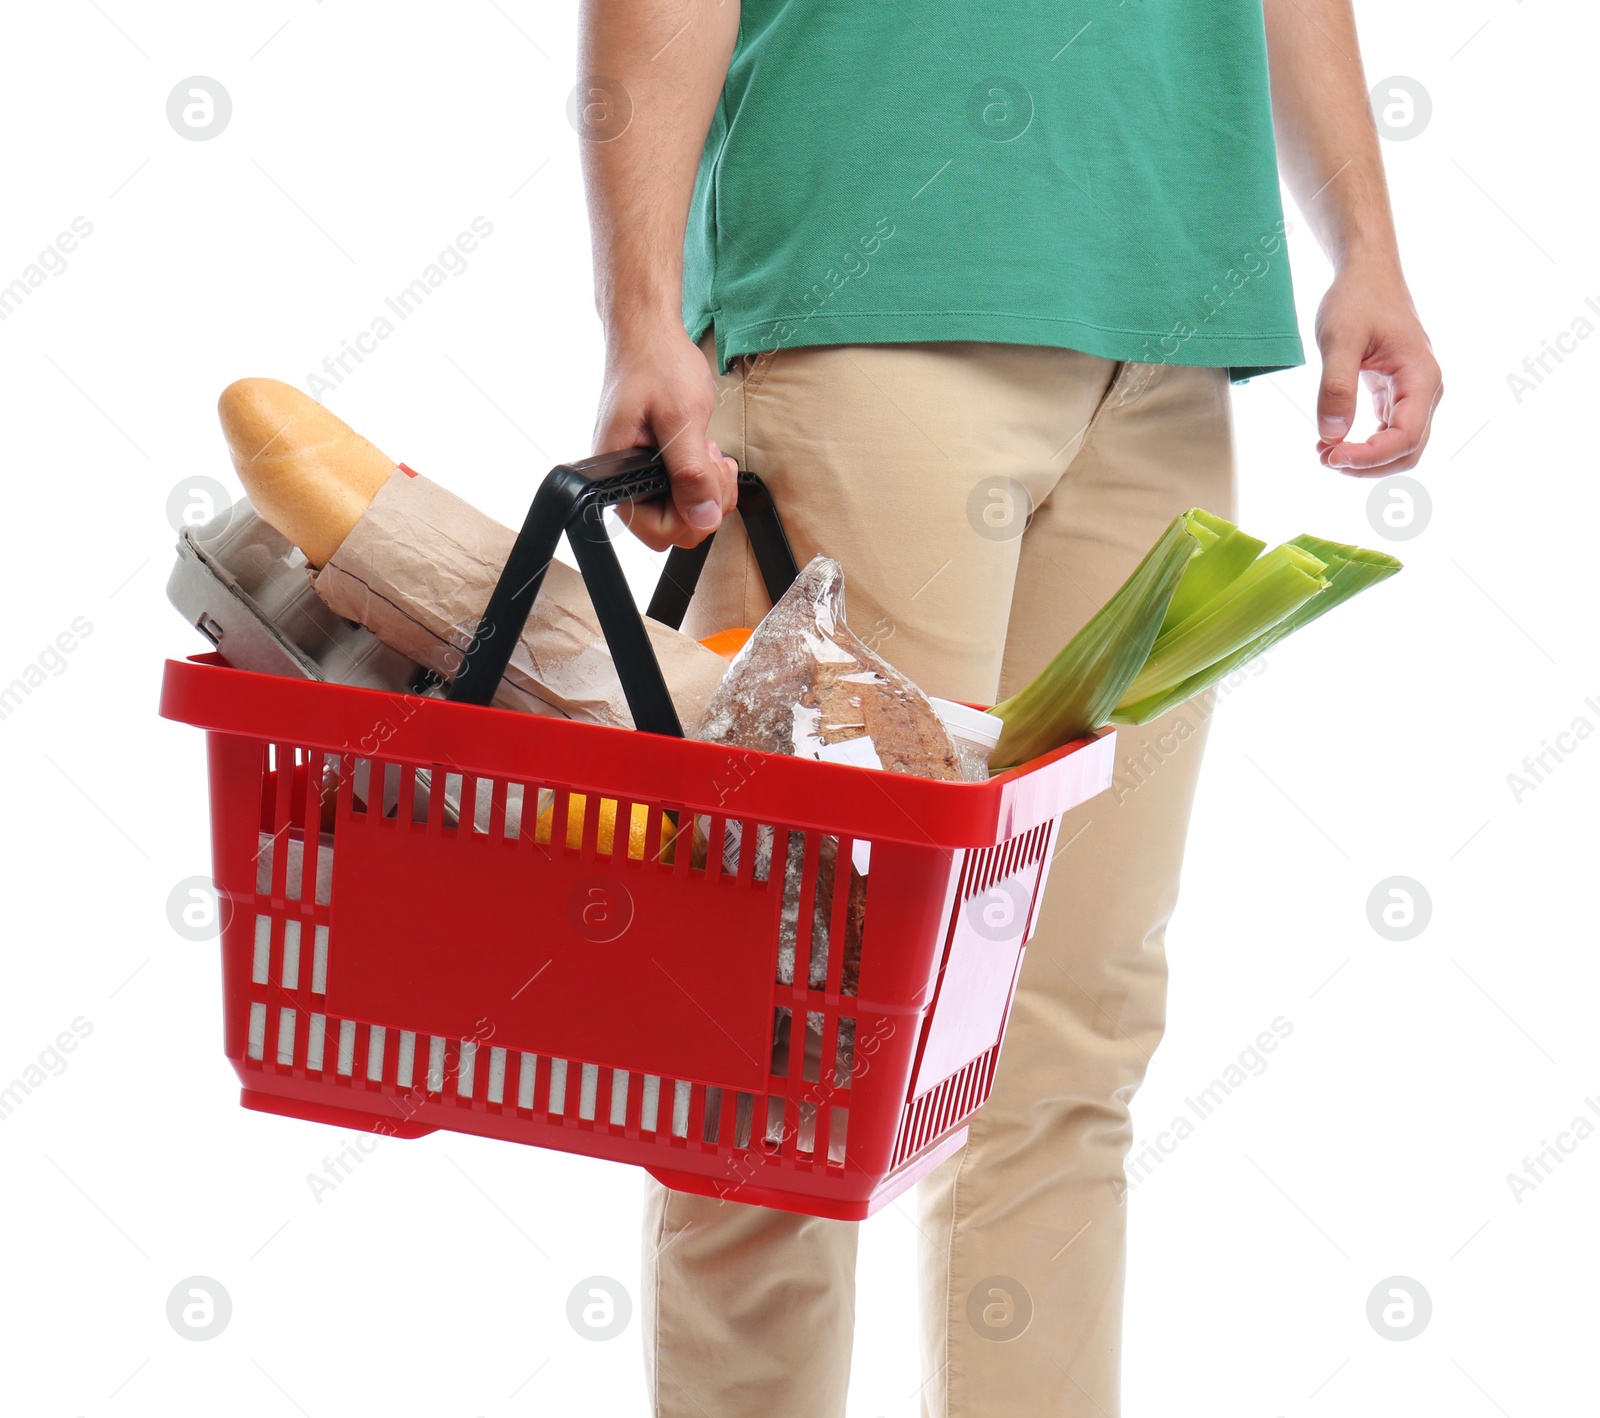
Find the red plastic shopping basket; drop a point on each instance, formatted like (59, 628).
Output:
(397, 964)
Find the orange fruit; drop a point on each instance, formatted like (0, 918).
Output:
(606, 829)
(728, 643)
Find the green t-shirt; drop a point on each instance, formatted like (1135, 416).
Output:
(1098, 175)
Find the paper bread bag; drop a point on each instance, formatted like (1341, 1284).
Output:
(417, 570)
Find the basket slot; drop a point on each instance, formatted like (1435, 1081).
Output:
(257, 1037)
(619, 1097)
(694, 1124)
(558, 1087)
(746, 841)
(763, 853)
(278, 783)
(495, 1088)
(781, 847)
(316, 1036)
(782, 1025)
(517, 813)
(356, 791)
(1015, 850)
(389, 801)
(560, 816)
(622, 828)
(476, 793)
(307, 790)
(844, 1054)
(261, 960)
(995, 864)
(722, 846)
(810, 945)
(655, 830)
(811, 1059)
(712, 1124)
(993, 860)
(319, 960)
(683, 859)
(291, 955)
(435, 1080)
(805, 1134)
(838, 1135)
(347, 1048)
(264, 856)
(1010, 856)
(454, 792)
(408, 804)
(588, 1087)
(827, 953)
(377, 1036)
(680, 1108)
(983, 870)
(497, 810)
(527, 1072)
(286, 1035)
(432, 808)
(837, 925)
(466, 1067)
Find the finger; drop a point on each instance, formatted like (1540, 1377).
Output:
(1336, 394)
(697, 478)
(644, 520)
(1405, 430)
(727, 477)
(658, 523)
(1379, 470)
(694, 507)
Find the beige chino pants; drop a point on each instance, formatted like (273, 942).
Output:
(915, 466)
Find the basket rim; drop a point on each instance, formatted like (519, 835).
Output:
(206, 692)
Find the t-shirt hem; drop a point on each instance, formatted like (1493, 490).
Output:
(1244, 356)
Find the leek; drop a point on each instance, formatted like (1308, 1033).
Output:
(1204, 601)
(1213, 568)
(1078, 690)
(1350, 570)
(1278, 583)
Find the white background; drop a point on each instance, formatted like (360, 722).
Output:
(1377, 1143)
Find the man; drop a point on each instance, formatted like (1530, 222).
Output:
(967, 285)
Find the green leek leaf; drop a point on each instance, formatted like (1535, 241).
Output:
(1350, 570)
(1076, 693)
(1212, 569)
(1274, 585)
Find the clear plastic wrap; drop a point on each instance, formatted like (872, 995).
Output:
(805, 684)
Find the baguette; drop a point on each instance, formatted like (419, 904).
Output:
(415, 564)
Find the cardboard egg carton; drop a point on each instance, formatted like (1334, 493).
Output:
(245, 587)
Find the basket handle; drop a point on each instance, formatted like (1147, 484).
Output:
(572, 499)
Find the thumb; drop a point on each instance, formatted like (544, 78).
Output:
(696, 490)
(1336, 397)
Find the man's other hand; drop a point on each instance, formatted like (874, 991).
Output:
(1369, 332)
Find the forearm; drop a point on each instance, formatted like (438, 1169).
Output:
(1327, 142)
(670, 58)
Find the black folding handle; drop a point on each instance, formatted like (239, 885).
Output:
(572, 499)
